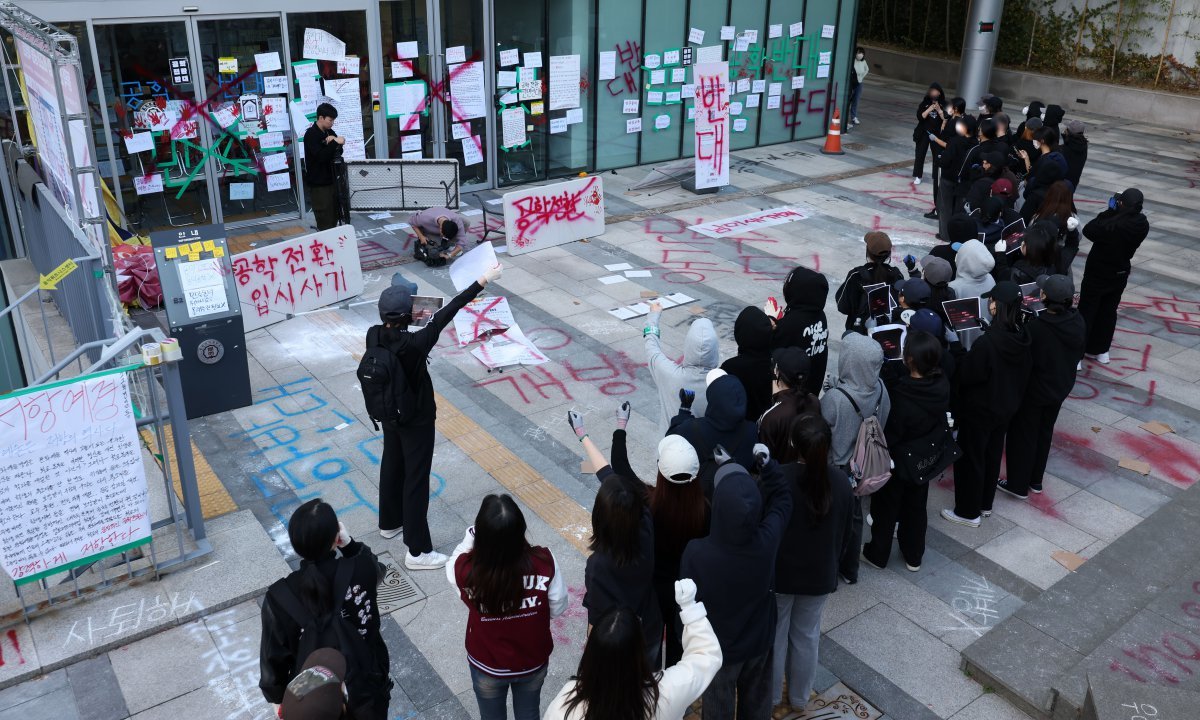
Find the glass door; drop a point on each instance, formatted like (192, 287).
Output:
(250, 147)
(158, 162)
(465, 63)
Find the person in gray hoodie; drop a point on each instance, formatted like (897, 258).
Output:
(859, 363)
(701, 353)
(973, 266)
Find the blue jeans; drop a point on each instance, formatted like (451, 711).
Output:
(492, 695)
(855, 94)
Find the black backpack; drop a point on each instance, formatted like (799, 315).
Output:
(385, 388)
(363, 681)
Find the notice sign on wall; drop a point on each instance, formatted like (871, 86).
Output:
(71, 476)
(305, 273)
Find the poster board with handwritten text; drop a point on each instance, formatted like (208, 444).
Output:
(542, 217)
(301, 274)
(71, 476)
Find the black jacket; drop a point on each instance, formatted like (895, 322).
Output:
(413, 348)
(775, 425)
(724, 423)
(1075, 149)
(278, 661)
(955, 157)
(734, 567)
(1057, 341)
(1049, 169)
(632, 585)
(319, 156)
(929, 124)
(1023, 272)
(991, 378)
(752, 365)
(852, 300)
(807, 563)
(804, 324)
(1116, 235)
(919, 406)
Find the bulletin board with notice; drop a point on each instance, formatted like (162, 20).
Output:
(204, 314)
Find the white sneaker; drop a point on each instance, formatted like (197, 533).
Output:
(870, 520)
(1079, 366)
(425, 561)
(856, 121)
(948, 514)
(1103, 358)
(916, 181)
(389, 534)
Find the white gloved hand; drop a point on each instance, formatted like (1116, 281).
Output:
(1001, 245)
(761, 455)
(685, 596)
(491, 274)
(343, 537)
(1072, 223)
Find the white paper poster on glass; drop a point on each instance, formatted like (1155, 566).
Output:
(275, 84)
(241, 191)
(509, 57)
(267, 62)
(456, 54)
(406, 98)
(696, 36)
(633, 125)
(407, 49)
(607, 66)
(466, 87)
(712, 124)
(58, 508)
(279, 181)
(148, 184)
(529, 85)
(512, 122)
(533, 59)
(564, 81)
(321, 45)
(349, 66)
(203, 287)
(472, 154)
(274, 162)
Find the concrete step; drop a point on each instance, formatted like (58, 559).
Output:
(1130, 613)
(1109, 699)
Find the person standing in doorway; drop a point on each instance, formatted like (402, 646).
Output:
(408, 445)
(321, 147)
(857, 75)
(1116, 234)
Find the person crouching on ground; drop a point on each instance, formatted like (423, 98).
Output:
(441, 235)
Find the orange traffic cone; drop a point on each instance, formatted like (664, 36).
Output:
(833, 140)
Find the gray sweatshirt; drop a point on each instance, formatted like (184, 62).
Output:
(974, 262)
(701, 353)
(859, 362)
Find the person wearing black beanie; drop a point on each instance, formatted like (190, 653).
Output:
(954, 164)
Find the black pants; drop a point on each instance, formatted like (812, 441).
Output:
(945, 206)
(922, 148)
(324, 203)
(1099, 298)
(404, 483)
(848, 565)
(937, 168)
(1030, 433)
(899, 502)
(976, 473)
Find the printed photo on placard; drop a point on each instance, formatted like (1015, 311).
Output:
(963, 314)
(891, 339)
(423, 308)
(1031, 298)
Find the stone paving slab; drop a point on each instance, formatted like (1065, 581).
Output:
(1109, 699)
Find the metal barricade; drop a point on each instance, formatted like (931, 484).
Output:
(402, 184)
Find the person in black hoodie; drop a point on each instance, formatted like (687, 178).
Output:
(408, 447)
(734, 571)
(991, 167)
(803, 324)
(1038, 254)
(991, 379)
(1075, 149)
(955, 171)
(851, 297)
(752, 365)
(931, 113)
(920, 401)
(1023, 142)
(724, 423)
(1035, 109)
(1116, 234)
(324, 583)
(1050, 167)
(1056, 335)
(789, 372)
(806, 567)
(1053, 116)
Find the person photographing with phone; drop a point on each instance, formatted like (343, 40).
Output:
(931, 114)
(322, 146)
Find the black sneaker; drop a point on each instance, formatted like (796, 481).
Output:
(932, 215)
(869, 561)
(847, 580)
(1002, 486)
(1037, 489)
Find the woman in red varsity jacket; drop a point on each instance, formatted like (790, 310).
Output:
(511, 590)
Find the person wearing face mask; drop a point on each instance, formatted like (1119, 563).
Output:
(989, 106)
(1035, 109)
(1116, 235)
(1023, 141)
(1050, 167)
(858, 74)
(931, 114)
(938, 142)
(954, 161)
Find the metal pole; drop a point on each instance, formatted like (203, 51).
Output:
(183, 449)
(979, 49)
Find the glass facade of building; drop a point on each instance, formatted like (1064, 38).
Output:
(516, 90)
